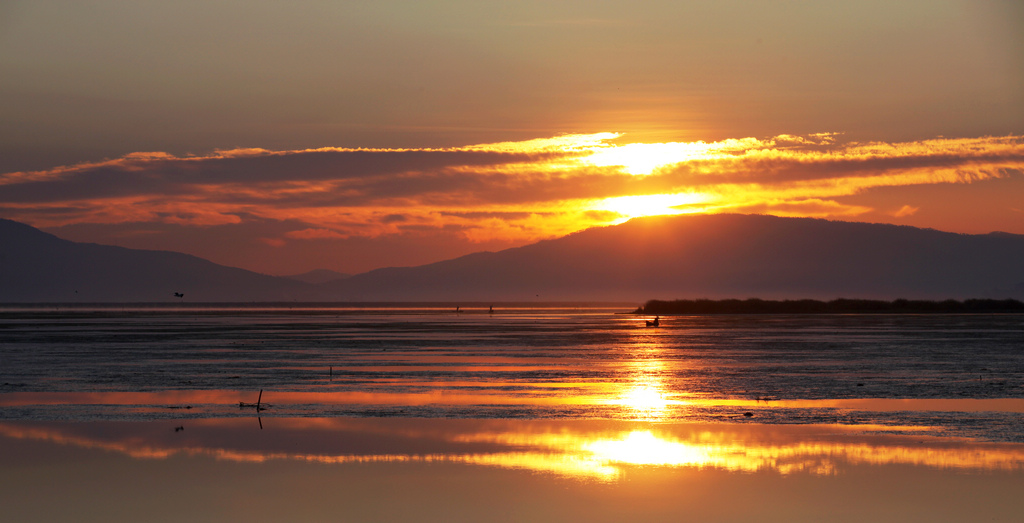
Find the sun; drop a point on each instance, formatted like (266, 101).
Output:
(646, 158)
(652, 204)
(642, 159)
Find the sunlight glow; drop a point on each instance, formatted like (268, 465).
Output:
(646, 158)
(652, 204)
(565, 142)
(585, 451)
(506, 192)
(646, 399)
(642, 447)
(645, 395)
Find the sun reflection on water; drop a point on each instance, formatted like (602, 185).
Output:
(645, 395)
(581, 450)
(645, 400)
(642, 447)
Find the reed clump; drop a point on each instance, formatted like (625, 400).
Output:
(838, 306)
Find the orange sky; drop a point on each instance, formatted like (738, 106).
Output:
(326, 135)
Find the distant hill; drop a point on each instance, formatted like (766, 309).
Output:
(719, 256)
(664, 258)
(318, 276)
(39, 267)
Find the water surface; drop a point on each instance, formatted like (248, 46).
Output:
(526, 414)
(959, 375)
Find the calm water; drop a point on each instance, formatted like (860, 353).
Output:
(950, 375)
(523, 415)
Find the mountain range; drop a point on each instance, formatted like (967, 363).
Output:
(319, 276)
(669, 257)
(38, 267)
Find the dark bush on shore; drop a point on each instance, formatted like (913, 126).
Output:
(840, 306)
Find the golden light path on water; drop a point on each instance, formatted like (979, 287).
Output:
(639, 406)
(578, 450)
(640, 401)
(583, 450)
(638, 389)
(645, 393)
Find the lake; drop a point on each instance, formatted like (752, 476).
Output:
(523, 413)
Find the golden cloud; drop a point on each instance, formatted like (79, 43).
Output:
(528, 190)
(906, 210)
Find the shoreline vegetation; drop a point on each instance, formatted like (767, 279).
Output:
(451, 304)
(838, 306)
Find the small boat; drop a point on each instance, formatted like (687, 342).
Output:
(654, 323)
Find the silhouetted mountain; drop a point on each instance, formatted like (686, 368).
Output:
(680, 257)
(318, 276)
(39, 267)
(719, 256)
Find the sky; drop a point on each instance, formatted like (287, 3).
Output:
(283, 137)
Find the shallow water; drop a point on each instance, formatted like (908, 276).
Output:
(412, 469)
(531, 363)
(527, 414)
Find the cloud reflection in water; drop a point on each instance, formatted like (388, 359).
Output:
(582, 450)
